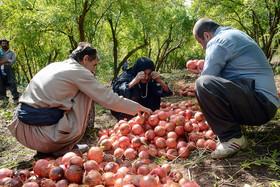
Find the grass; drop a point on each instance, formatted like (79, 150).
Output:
(7, 115)
(271, 161)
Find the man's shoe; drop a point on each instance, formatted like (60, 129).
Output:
(225, 149)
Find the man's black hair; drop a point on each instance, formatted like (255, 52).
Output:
(4, 40)
(84, 48)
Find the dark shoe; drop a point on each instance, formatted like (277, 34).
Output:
(40, 155)
(81, 147)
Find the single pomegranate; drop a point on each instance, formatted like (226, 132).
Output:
(95, 153)
(92, 178)
(74, 174)
(56, 173)
(149, 181)
(5, 172)
(42, 168)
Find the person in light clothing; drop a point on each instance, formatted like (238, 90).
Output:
(53, 110)
(236, 85)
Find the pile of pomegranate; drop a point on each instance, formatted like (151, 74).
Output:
(188, 89)
(195, 64)
(124, 156)
(184, 89)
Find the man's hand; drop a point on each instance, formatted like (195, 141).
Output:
(195, 66)
(3, 61)
(195, 71)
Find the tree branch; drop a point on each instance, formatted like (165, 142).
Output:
(129, 54)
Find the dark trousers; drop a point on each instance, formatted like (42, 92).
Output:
(229, 104)
(8, 81)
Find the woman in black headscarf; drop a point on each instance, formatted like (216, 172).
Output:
(142, 84)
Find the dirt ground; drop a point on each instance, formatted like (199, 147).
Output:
(259, 165)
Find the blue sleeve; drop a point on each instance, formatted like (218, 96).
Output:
(215, 60)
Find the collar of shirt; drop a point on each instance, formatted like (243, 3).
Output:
(220, 29)
(8, 51)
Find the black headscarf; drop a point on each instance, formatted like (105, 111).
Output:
(142, 64)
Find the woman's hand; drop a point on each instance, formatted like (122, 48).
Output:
(144, 109)
(155, 76)
(140, 75)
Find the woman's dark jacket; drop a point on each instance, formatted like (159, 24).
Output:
(148, 95)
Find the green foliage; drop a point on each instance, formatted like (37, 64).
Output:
(274, 184)
(277, 115)
(5, 114)
(271, 161)
(100, 110)
(277, 70)
(44, 31)
(4, 143)
(258, 18)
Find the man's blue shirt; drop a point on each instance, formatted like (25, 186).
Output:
(231, 54)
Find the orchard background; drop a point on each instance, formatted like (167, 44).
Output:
(44, 31)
